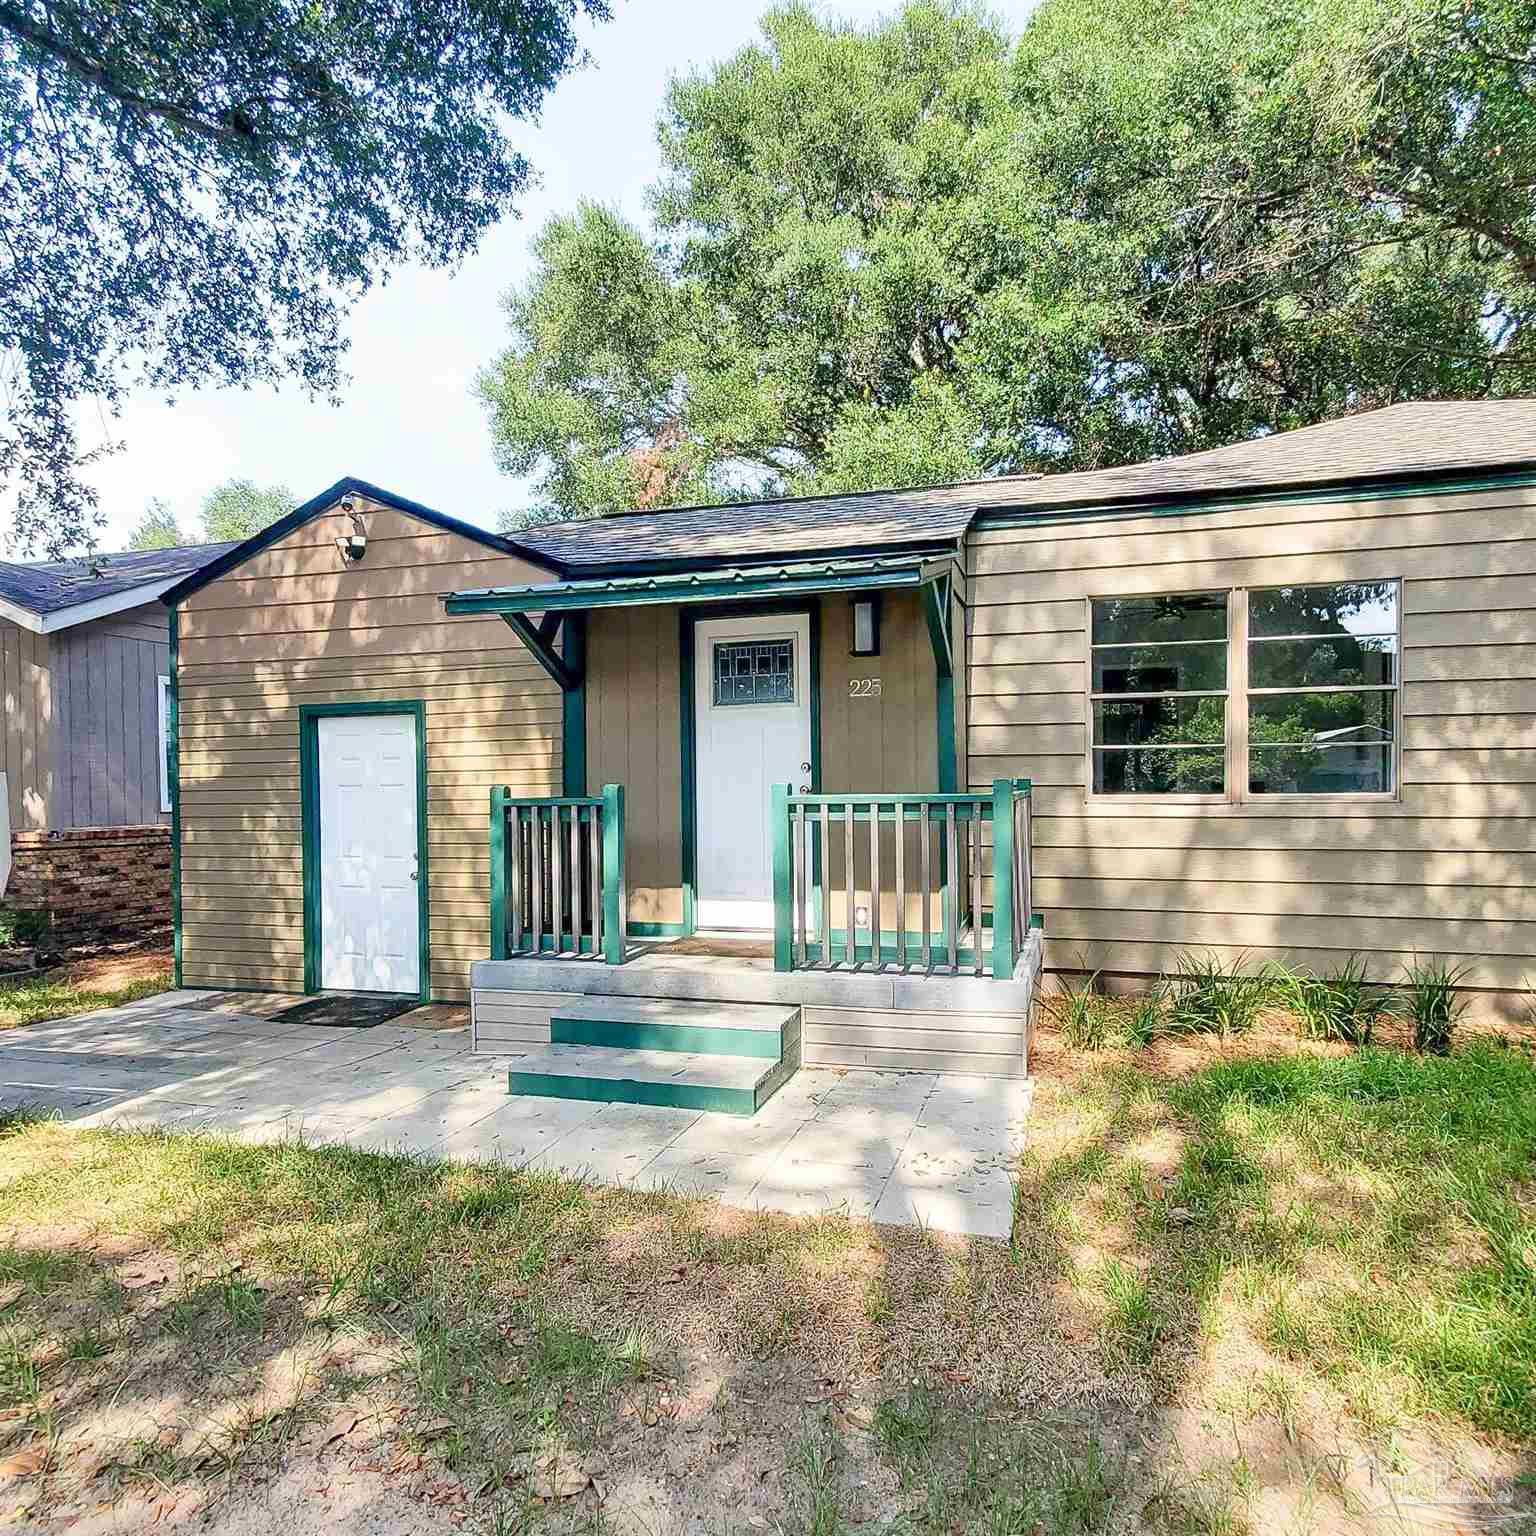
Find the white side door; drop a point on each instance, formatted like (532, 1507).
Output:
(370, 916)
(752, 705)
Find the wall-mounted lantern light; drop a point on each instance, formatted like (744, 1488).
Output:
(354, 545)
(866, 626)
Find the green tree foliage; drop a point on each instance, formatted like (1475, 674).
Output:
(157, 529)
(239, 508)
(821, 238)
(193, 191)
(923, 251)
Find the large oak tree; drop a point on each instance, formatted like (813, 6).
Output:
(924, 250)
(194, 191)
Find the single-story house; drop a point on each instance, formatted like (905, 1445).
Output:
(1277, 698)
(85, 675)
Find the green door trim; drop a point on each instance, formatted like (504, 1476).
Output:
(309, 820)
(688, 618)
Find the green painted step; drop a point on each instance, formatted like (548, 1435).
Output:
(731, 1085)
(651, 1024)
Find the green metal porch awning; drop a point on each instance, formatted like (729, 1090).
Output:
(729, 584)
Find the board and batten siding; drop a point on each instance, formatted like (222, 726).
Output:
(294, 625)
(26, 753)
(1448, 868)
(106, 737)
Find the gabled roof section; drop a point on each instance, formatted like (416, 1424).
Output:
(349, 486)
(1419, 440)
(57, 594)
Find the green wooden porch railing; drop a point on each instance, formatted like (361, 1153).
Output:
(557, 875)
(899, 882)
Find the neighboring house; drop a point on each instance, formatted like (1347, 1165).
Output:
(84, 650)
(84, 674)
(1275, 699)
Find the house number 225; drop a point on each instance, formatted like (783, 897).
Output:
(863, 687)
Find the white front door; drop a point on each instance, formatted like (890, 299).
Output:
(370, 916)
(752, 703)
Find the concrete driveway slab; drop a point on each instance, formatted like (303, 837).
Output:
(911, 1148)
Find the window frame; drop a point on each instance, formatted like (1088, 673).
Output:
(163, 735)
(1238, 694)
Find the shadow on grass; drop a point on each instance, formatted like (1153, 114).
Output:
(1168, 1339)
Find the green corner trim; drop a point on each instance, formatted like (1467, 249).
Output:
(309, 821)
(658, 930)
(173, 778)
(573, 707)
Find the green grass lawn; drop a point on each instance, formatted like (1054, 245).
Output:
(1370, 1217)
(1253, 1286)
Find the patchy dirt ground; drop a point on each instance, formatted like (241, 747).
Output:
(112, 970)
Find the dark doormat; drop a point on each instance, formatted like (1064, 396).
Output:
(346, 1011)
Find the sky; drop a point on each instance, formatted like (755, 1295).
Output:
(409, 420)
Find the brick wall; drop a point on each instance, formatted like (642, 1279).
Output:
(95, 883)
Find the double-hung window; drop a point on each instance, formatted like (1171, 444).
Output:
(1251, 693)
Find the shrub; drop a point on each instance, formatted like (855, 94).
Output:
(21, 927)
(1206, 996)
(1430, 997)
(1342, 1006)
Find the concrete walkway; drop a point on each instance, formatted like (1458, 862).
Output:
(908, 1148)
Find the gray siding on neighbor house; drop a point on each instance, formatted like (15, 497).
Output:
(25, 755)
(106, 720)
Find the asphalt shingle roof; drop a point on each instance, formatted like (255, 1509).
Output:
(1420, 438)
(53, 585)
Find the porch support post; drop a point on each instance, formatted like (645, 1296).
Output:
(615, 893)
(783, 883)
(936, 608)
(499, 797)
(573, 706)
(1002, 881)
(540, 648)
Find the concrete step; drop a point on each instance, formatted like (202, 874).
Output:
(672, 1024)
(731, 1085)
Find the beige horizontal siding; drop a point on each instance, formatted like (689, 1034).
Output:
(1446, 867)
(289, 628)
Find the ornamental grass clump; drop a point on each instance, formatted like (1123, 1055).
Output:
(1429, 995)
(1342, 1007)
(1206, 996)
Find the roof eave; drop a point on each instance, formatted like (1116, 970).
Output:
(1164, 502)
(56, 619)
